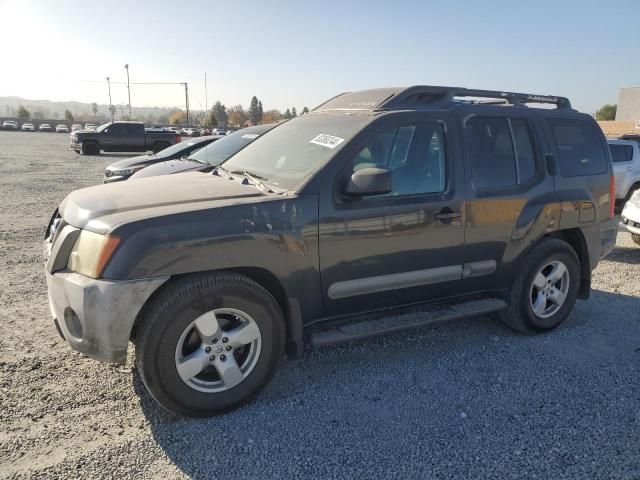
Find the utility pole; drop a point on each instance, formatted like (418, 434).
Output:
(206, 105)
(186, 99)
(110, 106)
(126, 66)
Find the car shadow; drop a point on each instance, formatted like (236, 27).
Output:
(630, 255)
(379, 402)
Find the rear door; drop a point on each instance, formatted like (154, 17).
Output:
(507, 192)
(135, 139)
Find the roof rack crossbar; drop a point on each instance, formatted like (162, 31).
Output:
(432, 94)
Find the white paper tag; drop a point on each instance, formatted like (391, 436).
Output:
(250, 135)
(328, 141)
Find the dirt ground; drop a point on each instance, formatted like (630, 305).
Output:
(469, 399)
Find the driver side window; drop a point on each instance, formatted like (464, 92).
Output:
(413, 153)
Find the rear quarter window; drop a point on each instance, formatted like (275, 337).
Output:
(579, 147)
(621, 153)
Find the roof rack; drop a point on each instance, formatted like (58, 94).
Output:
(427, 95)
(430, 94)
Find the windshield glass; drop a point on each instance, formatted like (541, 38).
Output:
(178, 147)
(217, 152)
(295, 149)
(101, 127)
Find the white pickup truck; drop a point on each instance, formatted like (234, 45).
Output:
(625, 155)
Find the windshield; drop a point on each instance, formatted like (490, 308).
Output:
(217, 152)
(100, 128)
(178, 147)
(295, 149)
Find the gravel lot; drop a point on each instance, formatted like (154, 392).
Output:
(469, 399)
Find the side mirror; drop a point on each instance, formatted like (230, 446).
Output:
(369, 181)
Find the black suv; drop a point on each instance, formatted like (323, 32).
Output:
(440, 202)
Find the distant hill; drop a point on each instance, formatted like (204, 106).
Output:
(81, 111)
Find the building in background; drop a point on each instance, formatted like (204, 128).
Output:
(628, 104)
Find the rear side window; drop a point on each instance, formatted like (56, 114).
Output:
(621, 153)
(501, 152)
(580, 150)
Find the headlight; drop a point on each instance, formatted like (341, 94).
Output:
(91, 252)
(123, 172)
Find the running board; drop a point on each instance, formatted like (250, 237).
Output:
(390, 323)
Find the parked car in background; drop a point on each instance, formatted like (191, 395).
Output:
(123, 169)
(10, 125)
(61, 128)
(191, 132)
(76, 126)
(625, 156)
(177, 130)
(630, 217)
(121, 137)
(90, 126)
(28, 127)
(207, 158)
(45, 127)
(328, 225)
(219, 131)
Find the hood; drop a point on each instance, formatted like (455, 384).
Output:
(131, 161)
(169, 167)
(104, 207)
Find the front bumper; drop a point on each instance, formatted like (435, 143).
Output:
(630, 218)
(96, 316)
(115, 178)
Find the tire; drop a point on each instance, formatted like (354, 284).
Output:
(167, 337)
(524, 294)
(636, 238)
(90, 148)
(159, 146)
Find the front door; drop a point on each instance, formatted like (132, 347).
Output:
(404, 246)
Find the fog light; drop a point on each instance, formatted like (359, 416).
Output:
(71, 320)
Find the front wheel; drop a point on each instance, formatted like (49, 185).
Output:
(545, 288)
(158, 147)
(636, 238)
(209, 343)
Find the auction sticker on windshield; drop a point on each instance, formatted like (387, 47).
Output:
(250, 136)
(328, 141)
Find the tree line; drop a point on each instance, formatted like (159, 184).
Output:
(236, 116)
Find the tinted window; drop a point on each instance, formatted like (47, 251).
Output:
(621, 153)
(493, 161)
(116, 129)
(524, 150)
(414, 154)
(580, 150)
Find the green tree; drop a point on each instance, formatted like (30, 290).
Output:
(260, 112)
(254, 111)
(68, 116)
(220, 112)
(94, 108)
(287, 114)
(304, 110)
(294, 114)
(23, 112)
(607, 112)
(211, 119)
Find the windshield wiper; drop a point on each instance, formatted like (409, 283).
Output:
(255, 179)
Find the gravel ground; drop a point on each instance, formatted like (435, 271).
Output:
(469, 399)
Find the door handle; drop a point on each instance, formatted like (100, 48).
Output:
(446, 214)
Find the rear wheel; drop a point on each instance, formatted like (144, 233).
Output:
(209, 343)
(636, 238)
(159, 146)
(545, 288)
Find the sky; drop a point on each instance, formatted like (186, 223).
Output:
(299, 53)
